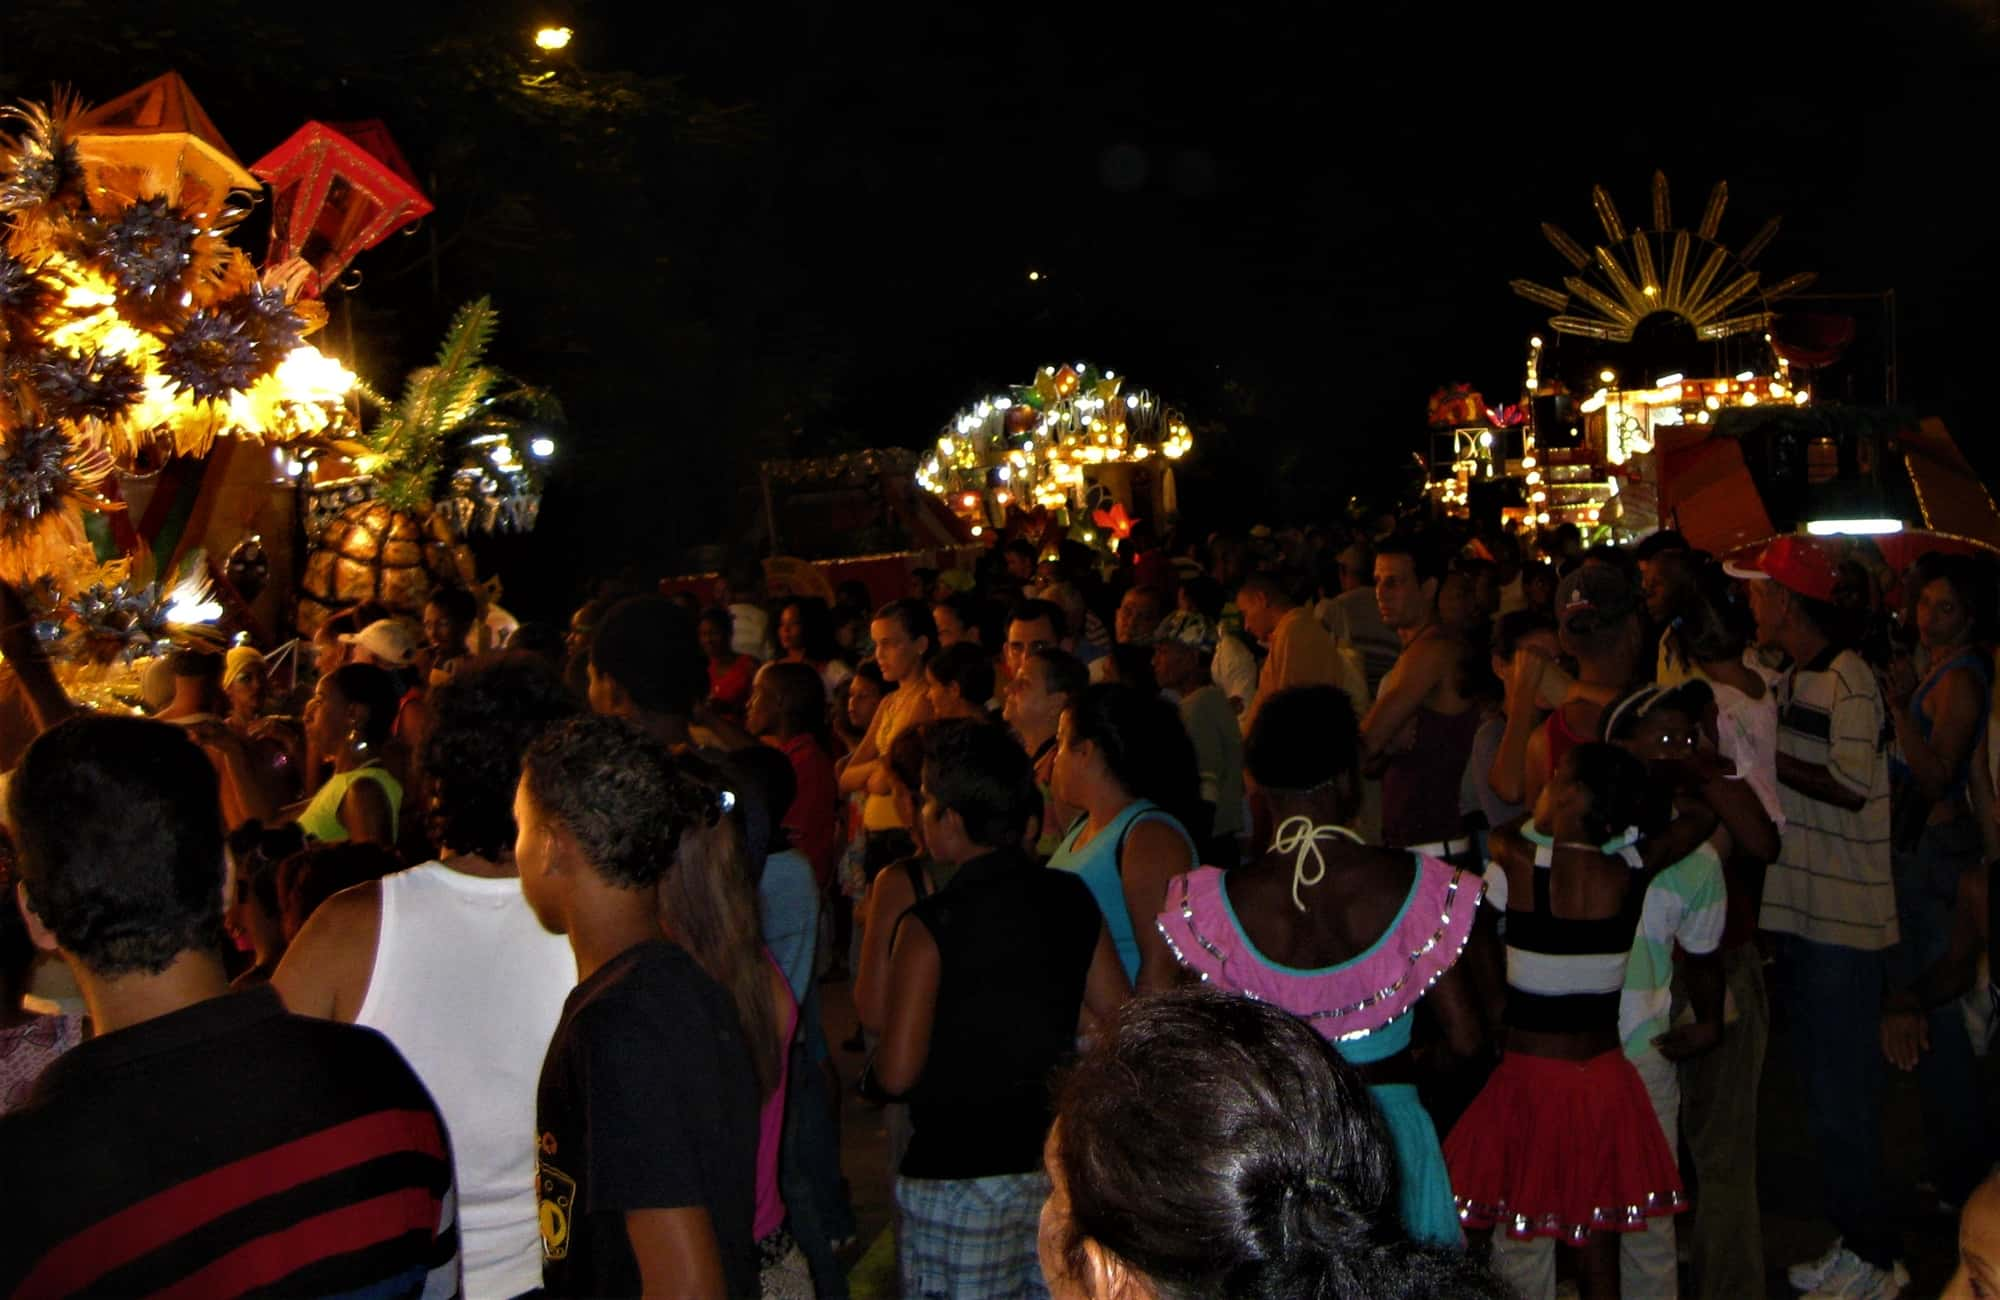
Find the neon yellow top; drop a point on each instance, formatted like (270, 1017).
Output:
(321, 818)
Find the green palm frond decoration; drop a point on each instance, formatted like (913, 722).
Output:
(414, 436)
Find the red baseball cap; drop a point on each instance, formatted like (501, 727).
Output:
(1795, 563)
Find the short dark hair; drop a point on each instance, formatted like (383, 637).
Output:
(967, 667)
(455, 603)
(1622, 792)
(982, 774)
(1144, 743)
(617, 790)
(800, 693)
(1304, 736)
(1277, 588)
(1068, 675)
(1280, 1175)
(647, 645)
(1659, 544)
(119, 825)
(482, 721)
(1510, 627)
(1426, 560)
(1034, 611)
(913, 615)
(1206, 595)
(316, 873)
(375, 691)
(717, 617)
(1161, 601)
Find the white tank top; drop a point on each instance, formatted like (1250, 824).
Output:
(468, 986)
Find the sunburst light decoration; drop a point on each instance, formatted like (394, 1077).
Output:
(1642, 271)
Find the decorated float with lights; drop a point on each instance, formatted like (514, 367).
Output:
(159, 401)
(1079, 449)
(1667, 391)
(1657, 331)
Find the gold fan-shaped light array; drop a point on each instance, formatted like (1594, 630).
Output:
(1638, 272)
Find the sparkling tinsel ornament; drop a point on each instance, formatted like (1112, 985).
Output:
(269, 322)
(35, 473)
(93, 386)
(148, 249)
(39, 163)
(26, 298)
(210, 356)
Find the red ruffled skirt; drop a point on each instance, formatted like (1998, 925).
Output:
(1562, 1149)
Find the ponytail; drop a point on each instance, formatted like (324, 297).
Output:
(709, 906)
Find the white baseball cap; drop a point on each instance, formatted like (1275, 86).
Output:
(387, 640)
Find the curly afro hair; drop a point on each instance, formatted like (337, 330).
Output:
(482, 721)
(619, 792)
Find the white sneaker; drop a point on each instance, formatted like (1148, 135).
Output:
(1854, 1278)
(1808, 1275)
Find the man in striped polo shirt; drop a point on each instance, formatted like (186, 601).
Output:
(204, 1142)
(1831, 900)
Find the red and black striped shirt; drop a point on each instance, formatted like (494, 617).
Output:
(228, 1148)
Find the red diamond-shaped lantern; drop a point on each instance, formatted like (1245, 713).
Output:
(337, 193)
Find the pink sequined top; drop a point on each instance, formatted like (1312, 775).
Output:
(1346, 1002)
(26, 1050)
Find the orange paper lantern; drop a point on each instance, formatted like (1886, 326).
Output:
(156, 142)
(337, 193)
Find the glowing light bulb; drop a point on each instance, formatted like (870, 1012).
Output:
(1650, 291)
(1535, 342)
(1542, 518)
(542, 448)
(1527, 462)
(1607, 376)
(294, 468)
(1034, 275)
(1746, 376)
(553, 38)
(977, 530)
(1665, 380)
(1486, 439)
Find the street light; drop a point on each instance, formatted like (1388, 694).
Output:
(553, 38)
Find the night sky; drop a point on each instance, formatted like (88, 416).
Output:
(732, 231)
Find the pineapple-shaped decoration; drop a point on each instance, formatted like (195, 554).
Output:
(457, 454)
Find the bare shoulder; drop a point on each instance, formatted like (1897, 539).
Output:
(326, 970)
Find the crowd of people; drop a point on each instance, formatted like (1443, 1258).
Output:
(1396, 912)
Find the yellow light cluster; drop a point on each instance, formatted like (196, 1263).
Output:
(303, 398)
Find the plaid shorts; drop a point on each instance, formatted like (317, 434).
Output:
(970, 1238)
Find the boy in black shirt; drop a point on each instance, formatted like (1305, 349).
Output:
(648, 1107)
(204, 1141)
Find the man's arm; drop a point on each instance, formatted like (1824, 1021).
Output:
(677, 1252)
(889, 897)
(1815, 782)
(1507, 774)
(1417, 672)
(914, 970)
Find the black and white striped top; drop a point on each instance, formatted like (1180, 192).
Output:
(1563, 975)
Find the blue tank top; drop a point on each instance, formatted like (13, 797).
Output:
(1097, 863)
(1977, 662)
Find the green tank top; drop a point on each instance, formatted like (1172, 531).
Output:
(321, 818)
